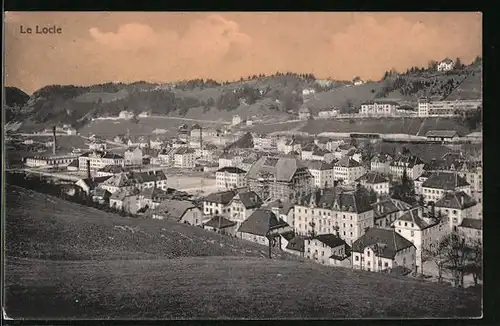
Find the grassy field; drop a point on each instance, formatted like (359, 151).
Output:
(413, 126)
(93, 264)
(105, 97)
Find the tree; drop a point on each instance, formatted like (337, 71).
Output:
(432, 65)
(474, 263)
(454, 249)
(458, 64)
(435, 254)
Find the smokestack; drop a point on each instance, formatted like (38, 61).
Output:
(201, 142)
(54, 140)
(88, 169)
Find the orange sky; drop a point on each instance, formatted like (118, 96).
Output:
(98, 47)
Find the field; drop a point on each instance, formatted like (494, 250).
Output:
(413, 126)
(93, 97)
(470, 88)
(95, 265)
(192, 183)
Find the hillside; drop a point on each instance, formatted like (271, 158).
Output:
(95, 265)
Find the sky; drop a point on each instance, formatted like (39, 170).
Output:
(100, 47)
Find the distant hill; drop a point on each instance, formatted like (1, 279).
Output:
(15, 97)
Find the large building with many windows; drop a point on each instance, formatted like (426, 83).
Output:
(429, 108)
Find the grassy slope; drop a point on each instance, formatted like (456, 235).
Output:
(90, 269)
(105, 97)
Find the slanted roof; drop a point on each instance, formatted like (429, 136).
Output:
(347, 162)
(183, 151)
(296, 243)
(421, 219)
(441, 133)
(261, 222)
(445, 180)
(221, 197)
(331, 240)
(372, 177)
(456, 200)
(232, 169)
(142, 177)
(119, 180)
(389, 206)
(288, 235)
(95, 181)
(318, 165)
(407, 160)
(219, 222)
(174, 209)
(387, 243)
(472, 223)
(249, 199)
(74, 164)
(280, 168)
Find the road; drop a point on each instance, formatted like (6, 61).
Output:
(188, 119)
(61, 176)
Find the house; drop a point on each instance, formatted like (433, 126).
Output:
(98, 160)
(412, 164)
(381, 163)
(327, 249)
(73, 166)
(387, 211)
(125, 115)
(283, 211)
(304, 113)
(97, 145)
(184, 158)
(457, 206)
(221, 225)
(150, 179)
(442, 135)
(418, 182)
(141, 142)
(342, 150)
(382, 250)
(438, 183)
(422, 228)
(230, 177)
(379, 108)
(357, 81)
(182, 211)
(321, 172)
(325, 211)
(133, 156)
(179, 143)
(91, 183)
(446, 65)
(227, 159)
(207, 152)
(218, 203)
(124, 200)
(472, 230)
(50, 160)
(281, 178)
(261, 224)
(295, 246)
(144, 114)
(375, 181)
(243, 205)
(119, 182)
(166, 156)
(306, 153)
(328, 114)
(100, 196)
(110, 170)
(156, 143)
(247, 163)
(447, 108)
(347, 170)
(308, 91)
(286, 145)
(236, 120)
(150, 197)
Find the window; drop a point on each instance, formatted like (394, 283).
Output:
(386, 264)
(454, 211)
(368, 263)
(322, 253)
(368, 253)
(356, 258)
(411, 225)
(412, 233)
(406, 224)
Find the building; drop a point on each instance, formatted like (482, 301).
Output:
(286, 146)
(328, 114)
(307, 150)
(343, 150)
(236, 120)
(227, 159)
(347, 170)
(144, 114)
(387, 211)
(184, 158)
(221, 225)
(472, 230)
(182, 211)
(218, 203)
(125, 115)
(422, 229)
(99, 159)
(413, 165)
(110, 170)
(346, 214)
(260, 225)
(138, 180)
(284, 211)
(124, 200)
(375, 181)
(304, 113)
(456, 206)
(429, 108)
(327, 249)
(436, 186)
(321, 172)
(133, 156)
(442, 135)
(379, 108)
(295, 246)
(87, 185)
(446, 65)
(243, 205)
(281, 178)
(50, 160)
(230, 177)
(97, 145)
(308, 91)
(150, 198)
(381, 163)
(382, 250)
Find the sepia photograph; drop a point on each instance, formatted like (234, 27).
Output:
(242, 165)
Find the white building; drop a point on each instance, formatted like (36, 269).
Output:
(133, 156)
(243, 205)
(230, 177)
(439, 183)
(383, 250)
(442, 135)
(322, 173)
(328, 114)
(98, 160)
(413, 165)
(472, 230)
(381, 163)
(387, 211)
(428, 108)
(304, 113)
(236, 120)
(379, 108)
(145, 114)
(457, 206)
(217, 203)
(260, 224)
(357, 81)
(49, 160)
(375, 181)
(422, 229)
(227, 159)
(126, 115)
(327, 249)
(446, 65)
(287, 146)
(347, 170)
(184, 158)
(308, 91)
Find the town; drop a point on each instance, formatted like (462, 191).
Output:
(343, 201)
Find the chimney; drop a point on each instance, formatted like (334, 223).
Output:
(54, 140)
(88, 168)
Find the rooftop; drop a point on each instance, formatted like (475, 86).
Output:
(372, 177)
(261, 222)
(472, 223)
(441, 133)
(232, 169)
(385, 242)
(445, 180)
(456, 200)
